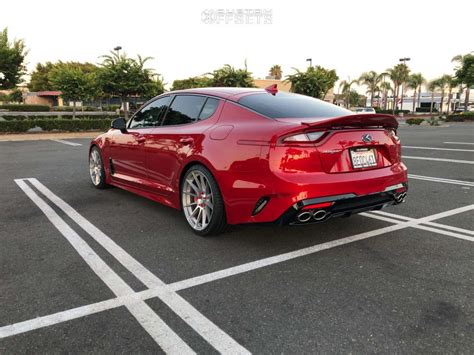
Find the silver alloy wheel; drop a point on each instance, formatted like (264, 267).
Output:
(197, 200)
(95, 167)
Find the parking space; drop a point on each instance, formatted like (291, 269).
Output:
(108, 271)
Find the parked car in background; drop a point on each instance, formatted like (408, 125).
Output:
(364, 110)
(237, 155)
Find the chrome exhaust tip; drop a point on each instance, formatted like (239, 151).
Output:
(400, 198)
(319, 215)
(304, 216)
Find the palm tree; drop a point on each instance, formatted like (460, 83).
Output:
(452, 83)
(345, 89)
(415, 81)
(443, 81)
(276, 72)
(433, 86)
(399, 75)
(372, 80)
(385, 87)
(460, 60)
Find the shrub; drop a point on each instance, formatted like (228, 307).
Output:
(425, 109)
(56, 124)
(78, 108)
(391, 111)
(36, 117)
(414, 121)
(25, 108)
(461, 117)
(110, 107)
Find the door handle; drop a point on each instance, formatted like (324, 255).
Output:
(186, 141)
(141, 139)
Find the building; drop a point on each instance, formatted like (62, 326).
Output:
(48, 98)
(285, 86)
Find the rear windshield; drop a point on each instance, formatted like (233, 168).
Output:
(286, 105)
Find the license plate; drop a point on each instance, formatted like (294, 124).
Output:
(363, 158)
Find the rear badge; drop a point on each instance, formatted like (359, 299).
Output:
(367, 138)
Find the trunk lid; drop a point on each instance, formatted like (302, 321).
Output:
(354, 142)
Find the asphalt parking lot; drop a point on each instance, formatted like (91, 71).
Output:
(88, 271)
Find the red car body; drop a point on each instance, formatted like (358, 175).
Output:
(254, 165)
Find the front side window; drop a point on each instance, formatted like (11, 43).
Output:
(150, 115)
(184, 109)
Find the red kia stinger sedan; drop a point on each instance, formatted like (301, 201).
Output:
(237, 155)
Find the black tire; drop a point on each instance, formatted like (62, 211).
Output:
(97, 167)
(218, 221)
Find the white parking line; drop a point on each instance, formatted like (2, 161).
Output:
(460, 143)
(168, 340)
(439, 159)
(203, 326)
(434, 148)
(401, 223)
(446, 181)
(433, 224)
(66, 142)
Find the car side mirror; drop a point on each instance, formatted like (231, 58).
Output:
(119, 123)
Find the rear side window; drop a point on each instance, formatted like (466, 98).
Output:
(286, 105)
(184, 109)
(209, 108)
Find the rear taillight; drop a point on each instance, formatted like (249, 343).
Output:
(304, 137)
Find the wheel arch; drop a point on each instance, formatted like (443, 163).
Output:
(197, 161)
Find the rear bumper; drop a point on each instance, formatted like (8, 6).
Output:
(342, 206)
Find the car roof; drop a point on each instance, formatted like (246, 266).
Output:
(233, 93)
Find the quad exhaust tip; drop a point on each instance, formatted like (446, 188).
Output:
(400, 198)
(306, 216)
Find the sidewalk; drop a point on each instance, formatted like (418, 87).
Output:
(45, 136)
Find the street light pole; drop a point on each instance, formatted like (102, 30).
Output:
(117, 49)
(310, 60)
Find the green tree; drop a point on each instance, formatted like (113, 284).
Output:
(371, 80)
(465, 74)
(315, 81)
(386, 88)
(40, 77)
(345, 90)
(276, 72)
(12, 61)
(124, 77)
(399, 75)
(415, 81)
(354, 99)
(16, 96)
(433, 86)
(193, 82)
(39, 80)
(228, 76)
(443, 82)
(74, 84)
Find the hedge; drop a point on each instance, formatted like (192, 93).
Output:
(414, 121)
(33, 117)
(461, 117)
(425, 109)
(71, 109)
(57, 124)
(85, 108)
(25, 108)
(391, 111)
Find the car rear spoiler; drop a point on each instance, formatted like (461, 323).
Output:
(363, 120)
